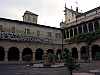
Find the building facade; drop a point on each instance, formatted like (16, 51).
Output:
(21, 39)
(81, 34)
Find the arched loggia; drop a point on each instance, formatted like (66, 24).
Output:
(39, 54)
(74, 53)
(96, 52)
(84, 52)
(50, 53)
(27, 54)
(13, 54)
(2, 53)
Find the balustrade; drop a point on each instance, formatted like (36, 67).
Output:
(16, 37)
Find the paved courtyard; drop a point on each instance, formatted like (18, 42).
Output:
(23, 70)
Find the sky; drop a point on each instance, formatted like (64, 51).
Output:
(51, 12)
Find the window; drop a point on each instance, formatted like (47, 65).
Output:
(1, 28)
(57, 35)
(27, 31)
(13, 29)
(38, 33)
(49, 34)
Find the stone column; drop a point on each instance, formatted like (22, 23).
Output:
(79, 55)
(73, 31)
(6, 56)
(82, 29)
(90, 54)
(87, 27)
(33, 60)
(93, 27)
(20, 56)
(45, 57)
(69, 33)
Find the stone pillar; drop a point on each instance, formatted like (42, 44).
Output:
(79, 55)
(82, 29)
(73, 32)
(20, 56)
(45, 57)
(93, 27)
(90, 54)
(6, 56)
(87, 27)
(69, 33)
(33, 60)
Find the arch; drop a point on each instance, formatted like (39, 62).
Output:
(39, 54)
(13, 54)
(50, 51)
(84, 52)
(96, 52)
(50, 56)
(2, 53)
(74, 53)
(27, 54)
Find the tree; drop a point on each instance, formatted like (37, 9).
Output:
(69, 61)
(52, 58)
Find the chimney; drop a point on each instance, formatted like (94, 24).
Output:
(30, 17)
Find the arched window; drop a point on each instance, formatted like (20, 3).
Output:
(96, 52)
(74, 53)
(2, 53)
(39, 54)
(50, 53)
(27, 54)
(84, 53)
(13, 54)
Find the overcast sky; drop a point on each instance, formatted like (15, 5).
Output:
(50, 11)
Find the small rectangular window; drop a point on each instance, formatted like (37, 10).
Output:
(57, 35)
(13, 29)
(38, 33)
(49, 34)
(27, 31)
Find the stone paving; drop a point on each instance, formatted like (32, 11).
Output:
(29, 70)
